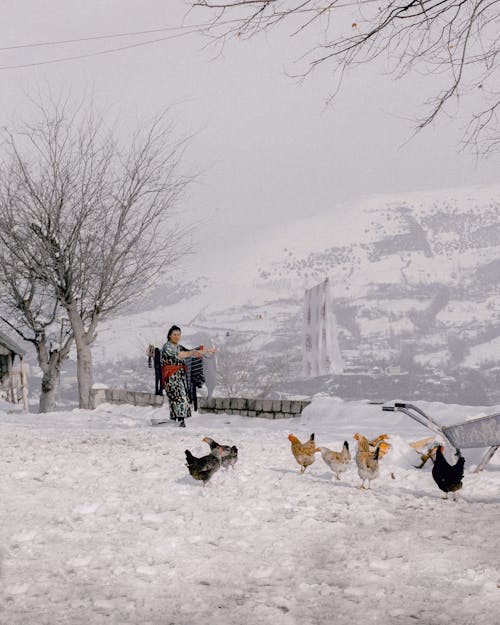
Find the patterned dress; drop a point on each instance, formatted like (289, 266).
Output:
(175, 385)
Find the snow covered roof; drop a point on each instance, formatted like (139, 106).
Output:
(10, 344)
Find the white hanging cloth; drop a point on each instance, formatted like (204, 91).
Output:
(321, 351)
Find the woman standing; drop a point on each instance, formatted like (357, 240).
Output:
(174, 374)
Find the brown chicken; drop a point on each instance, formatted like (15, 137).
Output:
(424, 451)
(336, 460)
(381, 443)
(303, 452)
(366, 460)
(430, 454)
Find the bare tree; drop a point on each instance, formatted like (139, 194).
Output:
(456, 39)
(235, 370)
(88, 217)
(31, 309)
(243, 372)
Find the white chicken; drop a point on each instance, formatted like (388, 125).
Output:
(336, 460)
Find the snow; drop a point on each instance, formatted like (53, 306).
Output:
(101, 523)
(483, 354)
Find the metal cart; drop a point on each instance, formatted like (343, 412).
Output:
(478, 432)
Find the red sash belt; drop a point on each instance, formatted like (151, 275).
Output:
(169, 370)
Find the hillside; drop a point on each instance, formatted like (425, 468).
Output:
(417, 299)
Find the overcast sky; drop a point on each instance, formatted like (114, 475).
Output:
(270, 149)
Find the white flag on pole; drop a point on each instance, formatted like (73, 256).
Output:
(321, 347)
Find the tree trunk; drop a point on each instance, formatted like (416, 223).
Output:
(47, 401)
(51, 373)
(83, 340)
(84, 373)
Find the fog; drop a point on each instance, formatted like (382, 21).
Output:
(268, 147)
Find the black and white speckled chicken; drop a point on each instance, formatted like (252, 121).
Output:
(202, 468)
(229, 453)
(448, 477)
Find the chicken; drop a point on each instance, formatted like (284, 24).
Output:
(448, 477)
(366, 460)
(303, 452)
(423, 450)
(430, 454)
(422, 443)
(336, 460)
(202, 468)
(229, 455)
(381, 443)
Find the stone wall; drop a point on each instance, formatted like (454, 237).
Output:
(264, 408)
(124, 396)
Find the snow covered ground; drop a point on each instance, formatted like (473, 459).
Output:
(100, 522)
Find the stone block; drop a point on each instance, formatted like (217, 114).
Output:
(251, 413)
(251, 404)
(219, 403)
(285, 405)
(266, 415)
(140, 400)
(130, 397)
(267, 405)
(304, 404)
(115, 394)
(98, 397)
(239, 403)
(295, 407)
(209, 404)
(226, 403)
(276, 405)
(158, 400)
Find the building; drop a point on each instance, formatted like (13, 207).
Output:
(13, 384)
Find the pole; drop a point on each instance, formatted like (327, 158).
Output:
(24, 385)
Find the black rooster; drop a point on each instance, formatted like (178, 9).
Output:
(448, 477)
(229, 455)
(202, 468)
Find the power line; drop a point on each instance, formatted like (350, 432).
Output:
(97, 37)
(90, 54)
